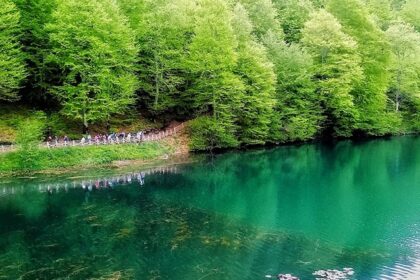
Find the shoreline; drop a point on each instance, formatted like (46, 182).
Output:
(178, 155)
(85, 159)
(121, 166)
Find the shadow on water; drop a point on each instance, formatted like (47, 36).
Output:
(240, 215)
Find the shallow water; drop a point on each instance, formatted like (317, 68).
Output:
(240, 215)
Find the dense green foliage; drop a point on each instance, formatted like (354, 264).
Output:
(97, 61)
(243, 72)
(12, 70)
(336, 70)
(28, 139)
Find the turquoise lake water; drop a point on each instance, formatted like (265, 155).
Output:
(239, 215)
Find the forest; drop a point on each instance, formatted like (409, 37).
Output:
(240, 72)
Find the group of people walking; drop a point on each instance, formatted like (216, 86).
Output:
(113, 138)
(98, 139)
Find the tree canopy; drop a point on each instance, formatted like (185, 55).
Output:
(12, 67)
(94, 48)
(240, 72)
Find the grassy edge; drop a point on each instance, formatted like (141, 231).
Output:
(79, 158)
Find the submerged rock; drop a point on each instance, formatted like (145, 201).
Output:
(286, 277)
(333, 274)
(330, 274)
(283, 277)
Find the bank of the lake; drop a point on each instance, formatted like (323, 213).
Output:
(149, 154)
(63, 159)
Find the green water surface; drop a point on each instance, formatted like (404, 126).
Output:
(240, 215)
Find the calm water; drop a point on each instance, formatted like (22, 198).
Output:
(240, 215)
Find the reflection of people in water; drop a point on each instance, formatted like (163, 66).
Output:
(97, 184)
(143, 176)
(140, 178)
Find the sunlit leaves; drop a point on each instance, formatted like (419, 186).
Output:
(95, 50)
(12, 67)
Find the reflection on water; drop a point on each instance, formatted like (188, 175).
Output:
(242, 215)
(86, 184)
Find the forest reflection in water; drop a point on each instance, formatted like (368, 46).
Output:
(241, 215)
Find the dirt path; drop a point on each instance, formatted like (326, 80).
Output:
(170, 133)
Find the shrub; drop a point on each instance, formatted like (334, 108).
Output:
(208, 134)
(28, 138)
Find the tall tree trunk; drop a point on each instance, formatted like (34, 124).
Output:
(157, 86)
(85, 124)
(398, 91)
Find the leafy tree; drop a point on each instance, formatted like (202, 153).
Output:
(94, 49)
(216, 90)
(242, 24)
(35, 14)
(163, 30)
(336, 70)
(297, 113)
(293, 14)
(397, 4)
(319, 3)
(405, 44)
(207, 134)
(381, 12)
(31, 131)
(370, 94)
(28, 139)
(12, 67)
(411, 13)
(264, 17)
(257, 74)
